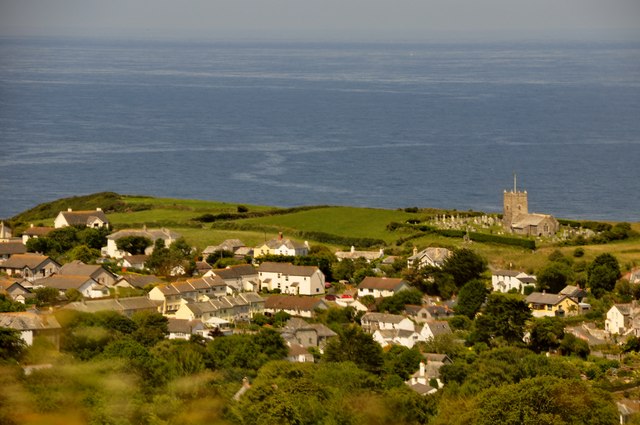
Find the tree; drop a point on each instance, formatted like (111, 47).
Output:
(464, 265)
(571, 345)
(553, 277)
(73, 294)
(395, 304)
(503, 316)
(471, 297)
(11, 345)
(134, 245)
(8, 305)
(546, 400)
(46, 296)
(356, 346)
(546, 334)
(602, 274)
(151, 327)
(83, 253)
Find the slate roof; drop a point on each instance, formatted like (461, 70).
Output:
(152, 234)
(544, 298)
(64, 282)
(226, 245)
(81, 218)
(12, 248)
(20, 261)
(136, 259)
(383, 318)
(236, 272)
(290, 244)
(120, 305)
(287, 269)
(26, 320)
(436, 254)
(140, 280)
(381, 283)
(438, 327)
(293, 302)
(38, 231)
(530, 220)
(79, 268)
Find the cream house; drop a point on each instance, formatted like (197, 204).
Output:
(281, 246)
(623, 319)
(431, 256)
(290, 279)
(30, 266)
(166, 235)
(380, 287)
(543, 304)
(94, 219)
(374, 321)
(507, 280)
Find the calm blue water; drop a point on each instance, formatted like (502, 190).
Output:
(379, 125)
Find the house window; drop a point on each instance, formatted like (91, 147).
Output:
(549, 307)
(317, 289)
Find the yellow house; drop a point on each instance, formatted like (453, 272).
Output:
(543, 304)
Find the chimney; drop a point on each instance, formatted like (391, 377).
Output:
(279, 236)
(415, 250)
(353, 248)
(422, 369)
(69, 210)
(31, 225)
(98, 209)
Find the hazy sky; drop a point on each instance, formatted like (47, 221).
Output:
(324, 17)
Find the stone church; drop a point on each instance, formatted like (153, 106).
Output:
(517, 219)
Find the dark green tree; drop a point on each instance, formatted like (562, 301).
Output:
(471, 297)
(571, 345)
(464, 265)
(553, 277)
(356, 346)
(546, 334)
(11, 345)
(134, 245)
(8, 305)
(602, 274)
(150, 327)
(46, 296)
(396, 303)
(503, 316)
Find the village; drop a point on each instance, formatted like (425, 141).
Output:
(271, 287)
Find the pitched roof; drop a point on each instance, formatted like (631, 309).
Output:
(287, 269)
(251, 297)
(79, 268)
(544, 298)
(81, 218)
(64, 282)
(38, 231)
(20, 261)
(183, 325)
(226, 245)
(530, 220)
(438, 327)
(293, 302)
(140, 280)
(136, 259)
(381, 283)
(152, 234)
(290, 244)
(383, 318)
(236, 272)
(436, 254)
(12, 248)
(120, 305)
(26, 320)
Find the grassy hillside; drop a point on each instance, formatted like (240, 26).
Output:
(344, 222)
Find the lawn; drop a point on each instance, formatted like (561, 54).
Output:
(342, 221)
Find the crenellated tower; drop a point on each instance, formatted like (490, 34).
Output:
(515, 205)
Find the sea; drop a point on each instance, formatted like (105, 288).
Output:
(441, 124)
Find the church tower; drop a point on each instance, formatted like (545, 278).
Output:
(515, 205)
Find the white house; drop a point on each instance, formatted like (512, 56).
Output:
(380, 287)
(35, 232)
(623, 319)
(406, 338)
(86, 285)
(506, 280)
(281, 246)
(94, 219)
(243, 277)
(374, 321)
(290, 279)
(30, 266)
(353, 254)
(432, 256)
(97, 272)
(111, 250)
(433, 328)
(32, 325)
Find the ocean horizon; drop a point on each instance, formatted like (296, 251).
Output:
(287, 123)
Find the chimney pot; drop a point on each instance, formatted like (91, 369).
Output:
(69, 210)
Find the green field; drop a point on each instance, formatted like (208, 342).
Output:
(348, 222)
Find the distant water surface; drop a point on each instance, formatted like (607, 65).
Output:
(378, 125)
